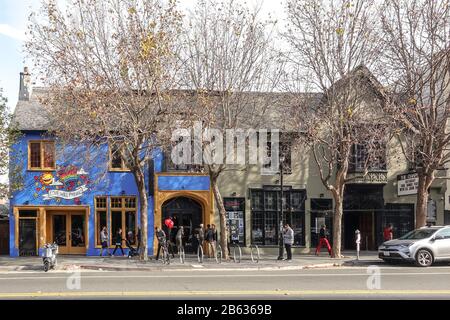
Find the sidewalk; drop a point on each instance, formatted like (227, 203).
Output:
(304, 261)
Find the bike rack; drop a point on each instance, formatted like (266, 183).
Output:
(254, 252)
(237, 249)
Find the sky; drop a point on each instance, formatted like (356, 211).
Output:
(13, 23)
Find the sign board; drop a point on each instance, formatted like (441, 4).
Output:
(407, 184)
(235, 208)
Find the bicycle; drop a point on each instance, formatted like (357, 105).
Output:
(218, 253)
(165, 253)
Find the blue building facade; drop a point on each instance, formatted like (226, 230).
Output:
(70, 193)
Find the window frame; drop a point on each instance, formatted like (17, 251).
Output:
(97, 220)
(42, 155)
(123, 167)
(268, 213)
(123, 210)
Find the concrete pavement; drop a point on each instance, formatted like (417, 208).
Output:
(124, 264)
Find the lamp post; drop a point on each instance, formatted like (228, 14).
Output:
(280, 236)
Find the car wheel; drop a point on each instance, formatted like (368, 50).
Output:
(424, 258)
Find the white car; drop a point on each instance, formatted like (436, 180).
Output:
(424, 246)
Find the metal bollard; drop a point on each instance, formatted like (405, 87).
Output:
(358, 242)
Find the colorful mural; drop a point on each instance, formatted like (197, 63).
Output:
(69, 182)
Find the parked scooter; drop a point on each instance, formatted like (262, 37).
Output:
(49, 256)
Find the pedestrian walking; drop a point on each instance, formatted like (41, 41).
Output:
(119, 240)
(387, 233)
(323, 241)
(288, 240)
(104, 239)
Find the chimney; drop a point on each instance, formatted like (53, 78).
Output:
(25, 85)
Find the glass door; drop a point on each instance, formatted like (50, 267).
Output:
(77, 238)
(27, 237)
(69, 230)
(60, 232)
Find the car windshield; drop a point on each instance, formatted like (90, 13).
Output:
(418, 234)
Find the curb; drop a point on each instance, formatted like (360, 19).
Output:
(179, 268)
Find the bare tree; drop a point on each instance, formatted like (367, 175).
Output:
(10, 162)
(227, 61)
(331, 48)
(417, 61)
(110, 66)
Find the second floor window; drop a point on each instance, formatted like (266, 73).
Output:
(359, 160)
(116, 163)
(41, 155)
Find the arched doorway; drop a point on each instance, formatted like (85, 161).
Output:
(187, 213)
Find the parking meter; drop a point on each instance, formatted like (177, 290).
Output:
(358, 242)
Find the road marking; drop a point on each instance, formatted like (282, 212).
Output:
(226, 293)
(293, 275)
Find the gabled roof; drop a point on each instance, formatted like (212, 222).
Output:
(31, 115)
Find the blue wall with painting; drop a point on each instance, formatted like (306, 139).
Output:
(81, 175)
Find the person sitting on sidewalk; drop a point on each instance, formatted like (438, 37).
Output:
(323, 241)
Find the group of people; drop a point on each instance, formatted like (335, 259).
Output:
(177, 234)
(119, 239)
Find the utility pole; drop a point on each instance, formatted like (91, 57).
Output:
(280, 250)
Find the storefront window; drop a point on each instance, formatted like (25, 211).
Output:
(100, 216)
(266, 218)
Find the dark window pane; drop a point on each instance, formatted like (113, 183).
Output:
(27, 213)
(77, 231)
(270, 200)
(59, 230)
(35, 155)
(116, 224)
(116, 159)
(100, 202)
(101, 222)
(116, 202)
(257, 200)
(130, 221)
(271, 228)
(257, 227)
(49, 154)
(130, 202)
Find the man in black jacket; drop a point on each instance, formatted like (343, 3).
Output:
(161, 236)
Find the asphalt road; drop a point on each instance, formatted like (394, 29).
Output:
(335, 283)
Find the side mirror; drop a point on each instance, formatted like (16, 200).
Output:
(437, 237)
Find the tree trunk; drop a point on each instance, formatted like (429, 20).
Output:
(222, 216)
(337, 225)
(140, 182)
(425, 181)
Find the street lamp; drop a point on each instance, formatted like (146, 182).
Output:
(280, 241)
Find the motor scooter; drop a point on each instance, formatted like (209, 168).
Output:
(49, 256)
